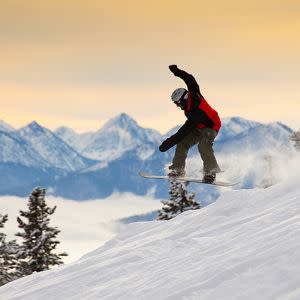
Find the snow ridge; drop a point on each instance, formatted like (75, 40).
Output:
(51, 148)
(17, 151)
(118, 136)
(5, 127)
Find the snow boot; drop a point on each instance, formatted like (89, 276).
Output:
(209, 177)
(175, 173)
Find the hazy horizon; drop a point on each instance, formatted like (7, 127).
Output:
(78, 63)
(114, 116)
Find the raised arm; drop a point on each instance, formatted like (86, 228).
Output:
(189, 79)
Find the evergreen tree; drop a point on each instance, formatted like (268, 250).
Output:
(36, 252)
(8, 260)
(295, 137)
(180, 201)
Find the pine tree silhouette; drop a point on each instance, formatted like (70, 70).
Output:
(8, 259)
(180, 201)
(39, 239)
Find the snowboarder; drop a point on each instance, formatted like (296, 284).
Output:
(201, 127)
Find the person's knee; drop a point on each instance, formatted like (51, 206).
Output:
(182, 147)
(206, 151)
(205, 147)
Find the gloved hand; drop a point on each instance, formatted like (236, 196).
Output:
(174, 69)
(166, 145)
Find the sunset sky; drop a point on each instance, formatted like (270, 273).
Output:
(79, 63)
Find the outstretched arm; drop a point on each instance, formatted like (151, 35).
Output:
(183, 131)
(189, 79)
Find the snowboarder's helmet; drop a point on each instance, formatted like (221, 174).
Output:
(178, 95)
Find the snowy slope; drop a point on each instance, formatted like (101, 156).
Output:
(15, 150)
(244, 246)
(78, 141)
(51, 148)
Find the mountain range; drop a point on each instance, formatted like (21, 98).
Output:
(95, 164)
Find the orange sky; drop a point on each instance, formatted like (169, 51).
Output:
(79, 63)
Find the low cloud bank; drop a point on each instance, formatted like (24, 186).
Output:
(84, 225)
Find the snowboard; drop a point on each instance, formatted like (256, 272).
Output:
(188, 179)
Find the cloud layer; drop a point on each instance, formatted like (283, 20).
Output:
(84, 225)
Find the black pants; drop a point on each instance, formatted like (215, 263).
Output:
(204, 137)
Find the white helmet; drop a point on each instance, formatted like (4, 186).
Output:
(178, 94)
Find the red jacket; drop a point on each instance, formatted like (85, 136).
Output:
(198, 112)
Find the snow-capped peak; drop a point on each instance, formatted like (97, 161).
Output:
(32, 128)
(123, 120)
(119, 135)
(51, 147)
(34, 125)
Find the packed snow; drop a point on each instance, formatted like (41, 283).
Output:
(243, 246)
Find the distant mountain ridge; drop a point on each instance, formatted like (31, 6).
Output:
(5, 127)
(51, 148)
(96, 164)
(270, 136)
(15, 150)
(233, 126)
(119, 135)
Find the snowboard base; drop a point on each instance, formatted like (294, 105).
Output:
(187, 179)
